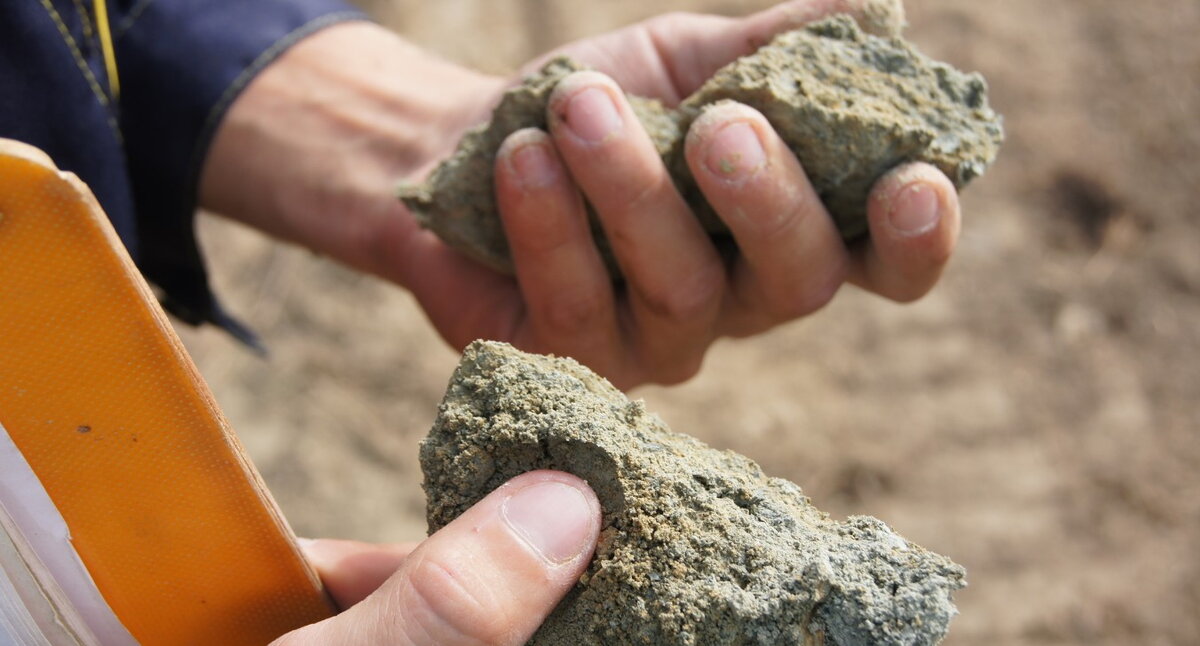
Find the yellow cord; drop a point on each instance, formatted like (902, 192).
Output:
(106, 45)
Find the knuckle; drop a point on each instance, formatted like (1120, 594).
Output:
(622, 236)
(798, 207)
(633, 196)
(773, 223)
(686, 300)
(804, 297)
(567, 314)
(537, 229)
(779, 210)
(445, 604)
(645, 191)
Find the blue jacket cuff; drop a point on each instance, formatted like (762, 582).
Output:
(182, 63)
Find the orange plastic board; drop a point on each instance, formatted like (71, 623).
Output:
(97, 392)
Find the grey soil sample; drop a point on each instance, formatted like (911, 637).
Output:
(698, 546)
(849, 104)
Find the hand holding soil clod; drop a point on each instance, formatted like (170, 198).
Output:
(849, 105)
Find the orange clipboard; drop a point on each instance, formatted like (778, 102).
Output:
(164, 508)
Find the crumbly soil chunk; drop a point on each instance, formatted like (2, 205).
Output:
(851, 105)
(698, 546)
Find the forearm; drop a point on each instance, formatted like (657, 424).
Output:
(313, 148)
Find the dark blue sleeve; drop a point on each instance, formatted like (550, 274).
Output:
(181, 64)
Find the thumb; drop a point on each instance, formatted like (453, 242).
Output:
(694, 47)
(489, 577)
(668, 57)
(352, 570)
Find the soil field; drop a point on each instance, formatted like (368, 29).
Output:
(1035, 418)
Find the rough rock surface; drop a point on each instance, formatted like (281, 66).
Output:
(850, 105)
(698, 547)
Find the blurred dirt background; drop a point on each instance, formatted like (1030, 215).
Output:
(1035, 417)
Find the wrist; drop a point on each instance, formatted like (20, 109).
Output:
(313, 148)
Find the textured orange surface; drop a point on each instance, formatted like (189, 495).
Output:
(165, 510)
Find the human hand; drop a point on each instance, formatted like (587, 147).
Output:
(311, 148)
(680, 294)
(488, 578)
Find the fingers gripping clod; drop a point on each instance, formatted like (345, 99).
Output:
(850, 105)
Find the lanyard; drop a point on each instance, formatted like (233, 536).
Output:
(106, 46)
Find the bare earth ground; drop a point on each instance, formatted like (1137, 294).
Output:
(1035, 418)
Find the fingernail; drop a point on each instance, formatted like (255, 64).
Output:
(592, 116)
(533, 166)
(735, 152)
(553, 518)
(916, 210)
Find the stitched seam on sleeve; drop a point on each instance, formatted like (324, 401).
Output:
(235, 88)
(131, 18)
(81, 63)
(85, 19)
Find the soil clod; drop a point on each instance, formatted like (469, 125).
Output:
(698, 546)
(851, 105)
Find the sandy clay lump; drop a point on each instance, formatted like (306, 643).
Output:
(850, 104)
